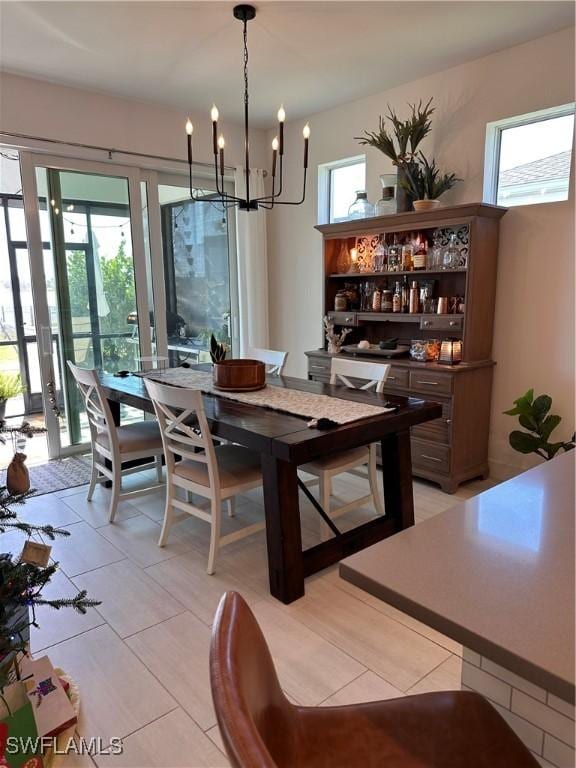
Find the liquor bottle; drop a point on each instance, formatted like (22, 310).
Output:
(397, 299)
(380, 256)
(435, 253)
(405, 295)
(414, 301)
(408, 257)
(377, 300)
(394, 256)
(420, 254)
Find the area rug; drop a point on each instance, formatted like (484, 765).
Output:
(58, 474)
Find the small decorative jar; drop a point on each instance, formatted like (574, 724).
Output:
(341, 301)
(386, 301)
(343, 262)
(418, 350)
(387, 203)
(361, 208)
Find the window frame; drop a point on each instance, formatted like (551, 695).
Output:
(493, 145)
(325, 185)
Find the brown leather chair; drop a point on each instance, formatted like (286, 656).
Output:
(262, 729)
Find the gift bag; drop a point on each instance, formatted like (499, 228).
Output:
(17, 477)
(19, 747)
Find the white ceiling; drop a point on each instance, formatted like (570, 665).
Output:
(308, 55)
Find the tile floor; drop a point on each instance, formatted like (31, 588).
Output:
(141, 658)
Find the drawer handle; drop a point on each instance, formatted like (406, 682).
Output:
(431, 383)
(426, 323)
(348, 319)
(431, 458)
(452, 323)
(448, 421)
(391, 378)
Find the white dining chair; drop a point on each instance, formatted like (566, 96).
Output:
(272, 358)
(141, 440)
(367, 376)
(215, 472)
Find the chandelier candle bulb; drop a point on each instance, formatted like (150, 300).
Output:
(306, 134)
(221, 145)
(214, 117)
(189, 129)
(281, 120)
(274, 155)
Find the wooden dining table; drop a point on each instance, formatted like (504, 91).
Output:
(285, 442)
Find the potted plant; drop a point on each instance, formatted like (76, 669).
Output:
(10, 386)
(426, 184)
(535, 417)
(401, 144)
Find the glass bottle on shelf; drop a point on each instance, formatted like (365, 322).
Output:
(380, 256)
(343, 262)
(361, 208)
(387, 203)
(451, 256)
(405, 295)
(408, 257)
(420, 253)
(435, 253)
(394, 251)
(397, 299)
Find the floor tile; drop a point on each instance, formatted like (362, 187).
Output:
(95, 512)
(48, 510)
(186, 579)
(173, 741)
(138, 537)
(119, 695)
(83, 550)
(446, 677)
(131, 600)
(309, 668)
(367, 687)
(177, 653)
(400, 655)
(54, 626)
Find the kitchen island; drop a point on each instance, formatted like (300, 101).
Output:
(496, 573)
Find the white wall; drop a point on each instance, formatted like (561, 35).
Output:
(47, 110)
(534, 333)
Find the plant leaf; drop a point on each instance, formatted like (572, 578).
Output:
(549, 425)
(523, 442)
(540, 407)
(527, 422)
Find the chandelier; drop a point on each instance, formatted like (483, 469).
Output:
(246, 13)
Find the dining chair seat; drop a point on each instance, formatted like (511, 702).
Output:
(236, 466)
(262, 728)
(132, 438)
(338, 461)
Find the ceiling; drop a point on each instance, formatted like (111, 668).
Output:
(309, 55)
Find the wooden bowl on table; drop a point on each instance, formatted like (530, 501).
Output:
(239, 375)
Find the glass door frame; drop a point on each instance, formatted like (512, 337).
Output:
(171, 178)
(29, 163)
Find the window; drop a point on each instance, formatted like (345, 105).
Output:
(338, 183)
(528, 157)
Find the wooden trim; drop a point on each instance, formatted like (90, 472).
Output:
(413, 219)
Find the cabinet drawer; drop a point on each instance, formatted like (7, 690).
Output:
(431, 456)
(441, 322)
(319, 365)
(398, 377)
(437, 430)
(343, 318)
(430, 381)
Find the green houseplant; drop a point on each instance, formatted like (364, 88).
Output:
(10, 386)
(401, 143)
(426, 184)
(535, 417)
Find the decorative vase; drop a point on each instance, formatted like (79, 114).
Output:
(425, 205)
(387, 203)
(361, 208)
(17, 476)
(403, 197)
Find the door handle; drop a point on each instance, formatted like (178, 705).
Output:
(46, 341)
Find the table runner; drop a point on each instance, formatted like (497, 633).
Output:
(293, 401)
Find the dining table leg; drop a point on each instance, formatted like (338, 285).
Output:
(283, 534)
(397, 478)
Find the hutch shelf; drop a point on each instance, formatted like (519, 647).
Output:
(454, 448)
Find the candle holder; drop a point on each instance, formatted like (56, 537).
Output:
(450, 352)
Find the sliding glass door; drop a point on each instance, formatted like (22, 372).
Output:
(199, 270)
(87, 306)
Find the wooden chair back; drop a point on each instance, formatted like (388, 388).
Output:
(98, 411)
(183, 426)
(272, 358)
(374, 374)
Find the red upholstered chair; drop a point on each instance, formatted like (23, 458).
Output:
(261, 728)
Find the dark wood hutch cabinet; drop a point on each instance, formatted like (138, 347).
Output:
(454, 448)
